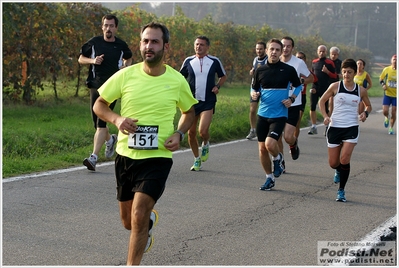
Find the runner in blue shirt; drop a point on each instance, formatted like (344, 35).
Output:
(272, 82)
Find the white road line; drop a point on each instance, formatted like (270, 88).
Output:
(373, 237)
(66, 170)
(60, 171)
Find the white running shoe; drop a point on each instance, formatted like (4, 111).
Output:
(110, 147)
(90, 163)
(153, 222)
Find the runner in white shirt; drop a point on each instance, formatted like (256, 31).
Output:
(294, 111)
(343, 125)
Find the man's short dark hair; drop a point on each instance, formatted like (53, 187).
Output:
(158, 25)
(275, 40)
(262, 43)
(110, 17)
(289, 38)
(203, 37)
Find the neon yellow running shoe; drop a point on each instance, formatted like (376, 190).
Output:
(386, 122)
(205, 152)
(197, 165)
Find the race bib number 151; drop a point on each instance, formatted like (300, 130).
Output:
(145, 138)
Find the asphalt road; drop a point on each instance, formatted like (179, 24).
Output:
(217, 216)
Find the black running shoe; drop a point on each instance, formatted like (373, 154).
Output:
(294, 151)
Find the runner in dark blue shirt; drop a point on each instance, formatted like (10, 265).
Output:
(201, 70)
(272, 82)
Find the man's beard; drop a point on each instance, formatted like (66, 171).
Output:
(108, 35)
(157, 58)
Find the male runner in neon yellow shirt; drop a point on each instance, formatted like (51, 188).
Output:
(150, 92)
(388, 83)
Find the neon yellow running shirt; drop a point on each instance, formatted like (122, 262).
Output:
(388, 75)
(153, 101)
(359, 79)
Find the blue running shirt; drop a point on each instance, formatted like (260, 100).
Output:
(274, 81)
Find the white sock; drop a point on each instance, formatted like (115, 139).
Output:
(313, 125)
(277, 157)
(95, 156)
(270, 176)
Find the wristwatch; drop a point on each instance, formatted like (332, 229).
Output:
(292, 99)
(181, 134)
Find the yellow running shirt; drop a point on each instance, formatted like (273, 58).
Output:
(359, 79)
(388, 75)
(153, 101)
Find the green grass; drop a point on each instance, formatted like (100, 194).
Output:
(376, 90)
(46, 137)
(53, 134)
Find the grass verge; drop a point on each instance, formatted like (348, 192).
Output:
(58, 134)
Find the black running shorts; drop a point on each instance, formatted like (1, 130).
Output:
(336, 136)
(98, 123)
(204, 106)
(293, 115)
(144, 175)
(303, 105)
(270, 127)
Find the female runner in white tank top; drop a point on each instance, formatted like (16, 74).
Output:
(343, 125)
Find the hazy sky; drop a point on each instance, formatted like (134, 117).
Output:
(155, 4)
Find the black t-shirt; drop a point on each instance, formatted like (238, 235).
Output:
(337, 64)
(323, 79)
(114, 53)
(276, 75)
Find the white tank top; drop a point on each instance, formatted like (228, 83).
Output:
(346, 106)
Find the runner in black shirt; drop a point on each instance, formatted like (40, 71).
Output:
(106, 55)
(324, 69)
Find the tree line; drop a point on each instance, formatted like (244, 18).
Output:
(367, 25)
(41, 43)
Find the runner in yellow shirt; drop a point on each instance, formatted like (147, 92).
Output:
(388, 83)
(363, 79)
(150, 92)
